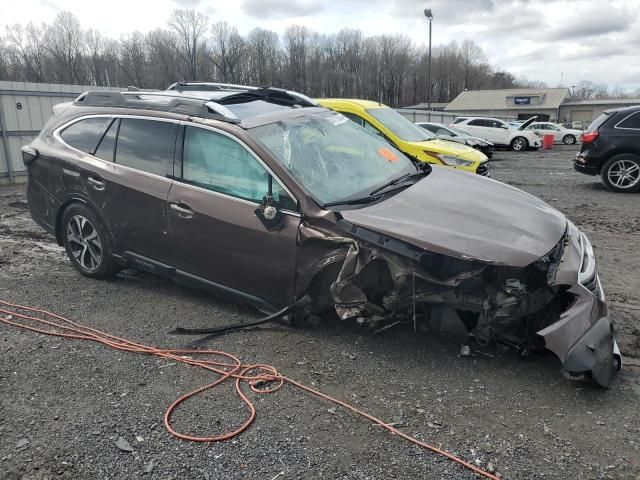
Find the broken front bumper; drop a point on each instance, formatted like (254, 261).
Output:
(583, 336)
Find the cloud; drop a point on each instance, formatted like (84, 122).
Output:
(580, 52)
(593, 22)
(281, 8)
(187, 3)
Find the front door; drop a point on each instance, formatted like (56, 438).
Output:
(213, 229)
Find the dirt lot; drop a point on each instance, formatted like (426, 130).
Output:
(64, 403)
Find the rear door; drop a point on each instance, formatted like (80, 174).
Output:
(213, 228)
(478, 127)
(129, 181)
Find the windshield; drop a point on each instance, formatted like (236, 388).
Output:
(399, 126)
(333, 158)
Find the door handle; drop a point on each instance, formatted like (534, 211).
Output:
(95, 183)
(183, 211)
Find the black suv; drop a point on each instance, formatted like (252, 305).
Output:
(611, 148)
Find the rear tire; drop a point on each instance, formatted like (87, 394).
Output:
(621, 173)
(519, 144)
(569, 139)
(87, 242)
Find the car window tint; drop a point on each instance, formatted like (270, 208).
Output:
(478, 123)
(85, 134)
(458, 120)
(218, 163)
(146, 145)
(631, 122)
(106, 148)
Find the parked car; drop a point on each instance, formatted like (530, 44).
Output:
(266, 198)
(499, 133)
(447, 133)
(561, 134)
(407, 137)
(611, 148)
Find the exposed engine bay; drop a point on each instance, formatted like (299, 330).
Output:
(380, 282)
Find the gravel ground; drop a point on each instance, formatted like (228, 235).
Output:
(64, 404)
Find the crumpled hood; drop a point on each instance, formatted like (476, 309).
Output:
(466, 216)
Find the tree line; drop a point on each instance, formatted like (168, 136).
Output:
(386, 68)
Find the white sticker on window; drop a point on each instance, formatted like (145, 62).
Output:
(337, 119)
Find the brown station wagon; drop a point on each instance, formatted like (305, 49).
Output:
(264, 197)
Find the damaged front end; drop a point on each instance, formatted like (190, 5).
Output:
(556, 302)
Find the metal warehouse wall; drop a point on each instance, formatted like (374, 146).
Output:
(445, 117)
(24, 109)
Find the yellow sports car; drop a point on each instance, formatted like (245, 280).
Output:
(408, 137)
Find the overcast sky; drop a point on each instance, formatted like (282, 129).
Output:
(541, 39)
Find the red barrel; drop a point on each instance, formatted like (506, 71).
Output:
(547, 141)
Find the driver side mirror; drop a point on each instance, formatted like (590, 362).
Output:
(268, 213)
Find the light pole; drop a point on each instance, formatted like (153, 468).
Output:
(429, 15)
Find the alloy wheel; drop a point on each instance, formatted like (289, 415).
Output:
(518, 144)
(84, 242)
(624, 174)
(569, 140)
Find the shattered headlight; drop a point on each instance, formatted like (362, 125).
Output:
(588, 263)
(450, 160)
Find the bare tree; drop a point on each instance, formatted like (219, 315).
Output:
(386, 68)
(65, 41)
(133, 59)
(190, 28)
(228, 50)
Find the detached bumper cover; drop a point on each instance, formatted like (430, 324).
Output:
(594, 354)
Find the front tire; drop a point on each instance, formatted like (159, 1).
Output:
(519, 144)
(87, 242)
(621, 173)
(569, 139)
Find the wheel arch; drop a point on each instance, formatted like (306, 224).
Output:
(82, 201)
(618, 151)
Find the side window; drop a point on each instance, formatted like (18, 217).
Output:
(85, 134)
(458, 120)
(106, 148)
(372, 129)
(354, 118)
(494, 124)
(218, 163)
(632, 122)
(146, 145)
(478, 123)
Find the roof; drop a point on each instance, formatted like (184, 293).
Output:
(483, 100)
(335, 102)
(603, 101)
(425, 105)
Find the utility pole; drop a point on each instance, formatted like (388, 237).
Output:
(429, 15)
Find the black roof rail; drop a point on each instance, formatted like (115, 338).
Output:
(164, 102)
(209, 86)
(278, 96)
(246, 93)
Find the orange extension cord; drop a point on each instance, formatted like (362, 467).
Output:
(255, 375)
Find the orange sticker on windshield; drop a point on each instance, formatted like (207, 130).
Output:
(388, 154)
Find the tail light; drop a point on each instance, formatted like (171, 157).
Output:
(589, 137)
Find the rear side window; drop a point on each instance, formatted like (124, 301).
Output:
(84, 135)
(106, 148)
(478, 123)
(146, 145)
(458, 120)
(598, 122)
(632, 122)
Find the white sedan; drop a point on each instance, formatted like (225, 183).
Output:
(561, 134)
